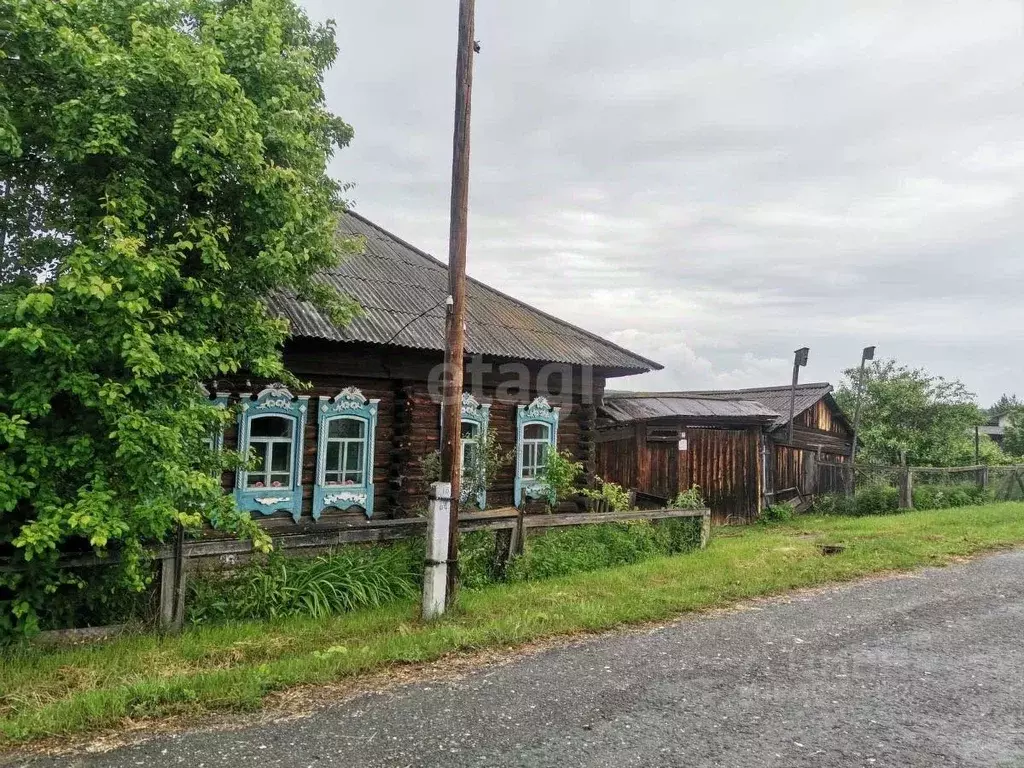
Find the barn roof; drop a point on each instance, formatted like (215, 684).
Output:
(402, 291)
(774, 398)
(624, 407)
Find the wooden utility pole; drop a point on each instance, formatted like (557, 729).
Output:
(451, 422)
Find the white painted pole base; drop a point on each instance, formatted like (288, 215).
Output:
(435, 575)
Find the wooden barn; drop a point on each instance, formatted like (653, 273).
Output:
(663, 443)
(732, 443)
(354, 442)
(820, 431)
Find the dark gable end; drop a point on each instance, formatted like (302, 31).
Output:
(402, 291)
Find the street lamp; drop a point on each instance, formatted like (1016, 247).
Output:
(799, 361)
(868, 354)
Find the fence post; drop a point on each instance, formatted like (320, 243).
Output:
(504, 549)
(172, 585)
(705, 529)
(907, 488)
(435, 574)
(983, 478)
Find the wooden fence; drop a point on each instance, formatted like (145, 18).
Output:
(510, 525)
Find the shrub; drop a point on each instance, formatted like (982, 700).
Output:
(777, 513)
(691, 499)
(614, 494)
(561, 475)
(876, 500)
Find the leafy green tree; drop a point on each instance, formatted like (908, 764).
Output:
(162, 171)
(1013, 439)
(1005, 405)
(910, 413)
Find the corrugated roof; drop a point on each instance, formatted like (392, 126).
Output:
(622, 407)
(402, 291)
(775, 399)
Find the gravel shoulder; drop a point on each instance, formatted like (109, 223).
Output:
(919, 670)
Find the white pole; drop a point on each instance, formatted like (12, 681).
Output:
(435, 575)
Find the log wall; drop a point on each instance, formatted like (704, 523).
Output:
(409, 419)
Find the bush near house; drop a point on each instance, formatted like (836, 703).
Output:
(884, 500)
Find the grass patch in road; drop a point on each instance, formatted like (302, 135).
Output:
(233, 667)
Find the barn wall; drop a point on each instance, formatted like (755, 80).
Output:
(726, 464)
(617, 461)
(408, 422)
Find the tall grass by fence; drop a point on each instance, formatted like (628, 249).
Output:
(872, 489)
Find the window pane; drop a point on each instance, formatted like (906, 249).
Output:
(333, 455)
(260, 449)
(528, 463)
(536, 432)
(280, 457)
(270, 426)
(542, 454)
(280, 481)
(470, 430)
(332, 477)
(354, 456)
(350, 428)
(468, 455)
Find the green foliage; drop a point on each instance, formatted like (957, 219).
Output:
(589, 547)
(487, 461)
(777, 513)
(874, 499)
(910, 414)
(613, 494)
(690, 499)
(1013, 439)
(949, 496)
(561, 476)
(338, 582)
(162, 171)
(880, 499)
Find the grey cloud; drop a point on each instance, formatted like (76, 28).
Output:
(714, 184)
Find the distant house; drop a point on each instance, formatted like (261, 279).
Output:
(354, 442)
(996, 428)
(733, 443)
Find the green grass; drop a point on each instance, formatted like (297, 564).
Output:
(234, 666)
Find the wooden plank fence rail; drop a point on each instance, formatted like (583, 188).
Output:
(509, 524)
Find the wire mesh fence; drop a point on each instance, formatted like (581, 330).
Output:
(869, 489)
(1006, 483)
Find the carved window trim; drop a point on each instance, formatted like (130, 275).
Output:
(275, 400)
(350, 403)
(479, 415)
(540, 411)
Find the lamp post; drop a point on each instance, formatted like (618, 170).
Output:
(799, 361)
(868, 354)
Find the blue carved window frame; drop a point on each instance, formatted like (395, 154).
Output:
(537, 412)
(479, 415)
(350, 403)
(220, 400)
(275, 400)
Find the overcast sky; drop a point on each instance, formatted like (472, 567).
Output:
(713, 185)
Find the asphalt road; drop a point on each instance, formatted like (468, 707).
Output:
(919, 671)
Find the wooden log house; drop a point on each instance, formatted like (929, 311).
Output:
(734, 444)
(353, 443)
